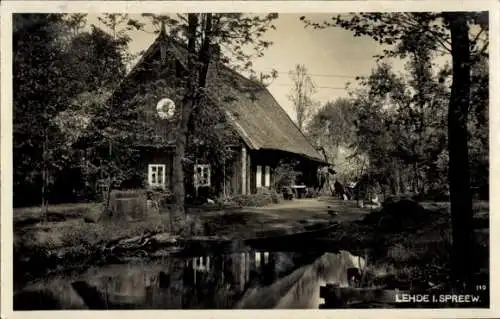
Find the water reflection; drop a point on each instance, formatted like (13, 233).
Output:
(248, 279)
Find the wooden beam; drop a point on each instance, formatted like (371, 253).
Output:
(243, 170)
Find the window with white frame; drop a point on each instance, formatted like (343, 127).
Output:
(156, 175)
(201, 175)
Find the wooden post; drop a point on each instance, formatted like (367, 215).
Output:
(249, 173)
(243, 170)
(224, 179)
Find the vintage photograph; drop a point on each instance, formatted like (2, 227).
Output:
(174, 160)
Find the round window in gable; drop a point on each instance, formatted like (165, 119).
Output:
(165, 109)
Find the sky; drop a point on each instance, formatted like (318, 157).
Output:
(332, 56)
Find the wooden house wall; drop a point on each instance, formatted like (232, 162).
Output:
(233, 176)
(262, 158)
(235, 180)
(234, 185)
(154, 81)
(233, 171)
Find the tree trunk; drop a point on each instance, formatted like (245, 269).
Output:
(459, 176)
(393, 178)
(44, 207)
(178, 213)
(45, 177)
(416, 187)
(108, 191)
(188, 103)
(397, 179)
(402, 179)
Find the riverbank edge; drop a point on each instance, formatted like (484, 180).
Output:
(354, 236)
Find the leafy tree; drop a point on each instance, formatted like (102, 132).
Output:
(479, 129)
(447, 33)
(332, 127)
(208, 38)
(301, 94)
(94, 60)
(118, 26)
(76, 23)
(62, 75)
(377, 126)
(401, 134)
(40, 91)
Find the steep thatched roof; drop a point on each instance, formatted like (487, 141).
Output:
(253, 112)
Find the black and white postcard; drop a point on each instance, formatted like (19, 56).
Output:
(307, 156)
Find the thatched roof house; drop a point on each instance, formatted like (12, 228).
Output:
(265, 132)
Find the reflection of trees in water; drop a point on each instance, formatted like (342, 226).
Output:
(260, 279)
(202, 281)
(300, 288)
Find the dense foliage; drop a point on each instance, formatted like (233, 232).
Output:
(62, 76)
(463, 36)
(398, 120)
(69, 138)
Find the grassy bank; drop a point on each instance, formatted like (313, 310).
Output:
(72, 235)
(57, 245)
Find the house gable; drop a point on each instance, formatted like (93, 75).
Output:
(153, 78)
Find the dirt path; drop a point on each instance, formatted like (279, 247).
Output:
(284, 218)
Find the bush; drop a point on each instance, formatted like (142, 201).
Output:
(115, 194)
(285, 175)
(438, 194)
(262, 198)
(311, 193)
(276, 198)
(397, 215)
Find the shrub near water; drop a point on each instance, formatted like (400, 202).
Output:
(397, 215)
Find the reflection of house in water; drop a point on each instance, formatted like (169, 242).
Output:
(235, 270)
(196, 282)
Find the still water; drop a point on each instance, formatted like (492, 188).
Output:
(243, 280)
